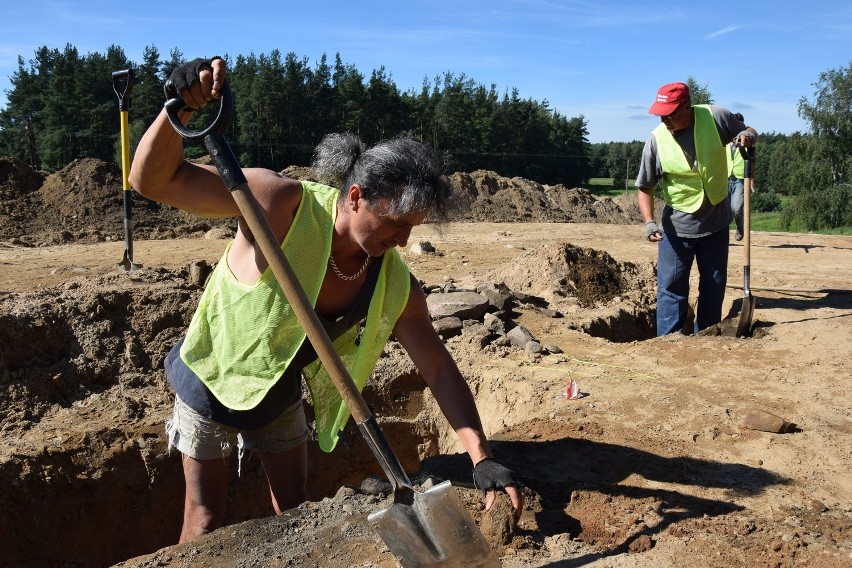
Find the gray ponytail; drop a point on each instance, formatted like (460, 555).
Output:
(335, 157)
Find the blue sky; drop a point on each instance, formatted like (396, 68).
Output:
(600, 59)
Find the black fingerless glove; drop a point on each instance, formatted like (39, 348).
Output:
(488, 474)
(651, 228)
(183, 76)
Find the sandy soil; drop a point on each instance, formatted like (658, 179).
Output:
(656, 465)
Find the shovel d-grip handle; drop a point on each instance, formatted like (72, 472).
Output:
(123, 94)
(214, 137)
(218, 126)
(232, 174)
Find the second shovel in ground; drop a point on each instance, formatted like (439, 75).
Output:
(744, 324)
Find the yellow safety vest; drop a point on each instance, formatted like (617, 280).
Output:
(242, 338)
(684, 185)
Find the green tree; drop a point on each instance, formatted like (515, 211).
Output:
(278, 107)
(62, 113)
(247, 128)
(383, 113)
(349, 97)
(766, 201)
(176, 59)
(455, 118)
(19, 121)
(830, 117)
(424, 108)
(98, 103)
(829, 208)
(147, 97)
(824, 196)
(616, 160)
(699, 94)
(573, 137)
(62, 107)
(321, 121)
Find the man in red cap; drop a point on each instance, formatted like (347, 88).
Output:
(685, 158)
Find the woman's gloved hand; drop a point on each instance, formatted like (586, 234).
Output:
(196, 82)
(489, 476)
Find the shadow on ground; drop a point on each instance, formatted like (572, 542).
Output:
(611, 496)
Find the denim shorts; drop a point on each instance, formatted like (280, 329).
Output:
(203, 439)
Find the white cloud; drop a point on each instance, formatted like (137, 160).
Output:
(724, 31)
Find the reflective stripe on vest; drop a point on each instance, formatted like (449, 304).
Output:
(684, 185)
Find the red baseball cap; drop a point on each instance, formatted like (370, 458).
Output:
(669, 97)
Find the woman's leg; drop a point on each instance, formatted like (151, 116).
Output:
(206, 496)
(283, 451)
(204, 445)
(287, 473)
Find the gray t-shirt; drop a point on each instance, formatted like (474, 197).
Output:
(709, 218)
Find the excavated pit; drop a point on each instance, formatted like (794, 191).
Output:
(84, 404)
(85, 401)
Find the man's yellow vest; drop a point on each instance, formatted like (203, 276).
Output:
(736, 163)
(683, 184)
(242, 338)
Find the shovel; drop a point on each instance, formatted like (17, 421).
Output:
(126, 264)
(744, 325)
(420, 529)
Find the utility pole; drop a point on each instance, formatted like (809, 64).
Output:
(627, 175)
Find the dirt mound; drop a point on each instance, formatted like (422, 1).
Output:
(299, 172)
(597, 294)
(628, 204)
(485, 196)
(84, 202)
(558, 270)
(85, 187)
(17, 178)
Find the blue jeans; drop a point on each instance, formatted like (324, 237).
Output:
(735, 190)
(674, 263)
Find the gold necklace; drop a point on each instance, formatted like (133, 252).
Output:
(343, 276)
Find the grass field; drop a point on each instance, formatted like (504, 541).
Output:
(603, 187)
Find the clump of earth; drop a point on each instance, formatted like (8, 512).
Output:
(650, 463)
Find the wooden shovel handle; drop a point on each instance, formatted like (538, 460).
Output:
(748, 181)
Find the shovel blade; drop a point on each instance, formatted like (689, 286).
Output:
(127, 265)
(746, 314)
(434, 530)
